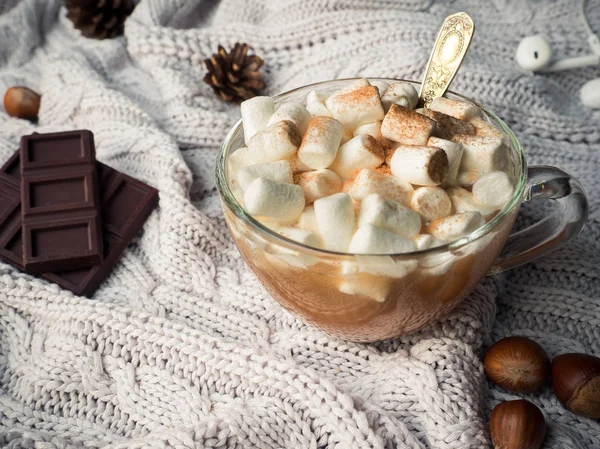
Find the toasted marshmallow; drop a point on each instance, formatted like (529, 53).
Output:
(256, 113)
(431, 202)
(456, 226)
(315, 104)
(457, 109)
(448, 126)
(486, 129)
(301, 236)
(424, 166)
(295, 113)
(389, 154)
(320, 142)
(271, 199)
(370, 239)
(454, 151)
(463, 201)
(336, 222)
(482, 154)
(467, 178)
(425, 241)
(297, 165)
(369, 181)
(308, 220)
(278, 171)
(318, 184)
(276, 142)
(389, 215)
(362, 151)
(357, 107)
(402, 94)
(406, 127)
(493, 189)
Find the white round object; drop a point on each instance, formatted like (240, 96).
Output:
(590, 93)
(493, 189)
(534, 53)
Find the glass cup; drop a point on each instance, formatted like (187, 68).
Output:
(374, 297)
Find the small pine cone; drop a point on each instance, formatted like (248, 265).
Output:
(234, 76)
(99, 19)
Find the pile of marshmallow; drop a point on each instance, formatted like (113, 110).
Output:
(364, 173)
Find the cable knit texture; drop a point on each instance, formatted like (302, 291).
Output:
(181, 347)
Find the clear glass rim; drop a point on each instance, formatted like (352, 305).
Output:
(222, 178)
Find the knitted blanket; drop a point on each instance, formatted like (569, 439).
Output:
(181, 347)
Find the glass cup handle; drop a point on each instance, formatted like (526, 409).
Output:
(553, 231)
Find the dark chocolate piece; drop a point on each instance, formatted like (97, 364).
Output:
(60, 202)
(126, 204)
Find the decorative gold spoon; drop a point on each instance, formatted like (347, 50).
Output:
(449, 49)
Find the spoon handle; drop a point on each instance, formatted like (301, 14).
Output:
(449, 49)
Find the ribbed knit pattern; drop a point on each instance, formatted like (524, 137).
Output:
(181, 347)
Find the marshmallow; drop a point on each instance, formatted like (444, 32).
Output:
(279, 171)
(454, 151)
(369, 181)
(374, 130)
(320, 142)
(351, 87)
(457, 109)
(256, 113)
(482, 154)
(373, 287)
(403, 94)
(463, 200)
(456, 226)
(315, 104)
(425, 241)
(318, 184)
(406, 127)
(295, 113)
(276, 142)
(271, 199)
(356, 107)
(346, 136)
(486, 129)
(431, 202)
(424, 166)
(308, 220)
(494, 189)
(336, 222)
(380, 85)
(362, 151)
(389, 215)
(389, 153)
(370, 239)
(297, 165)
(467, 178)
(238, 159)
(448, 126)
(303, 236)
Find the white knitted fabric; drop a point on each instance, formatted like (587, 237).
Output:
(181, 347)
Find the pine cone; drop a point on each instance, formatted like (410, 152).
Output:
(234, 76)
(99, 19)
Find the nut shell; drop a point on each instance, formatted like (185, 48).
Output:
(517, 425)
(22, 102)
(517, 364)
(576, 383)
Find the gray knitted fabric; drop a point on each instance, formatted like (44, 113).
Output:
(181, 347)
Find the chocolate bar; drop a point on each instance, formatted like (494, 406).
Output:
(60, 202)
(126, 203)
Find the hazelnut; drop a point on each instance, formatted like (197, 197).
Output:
(517, 364)
(576, 383)
(517, 425)
(22, 102)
